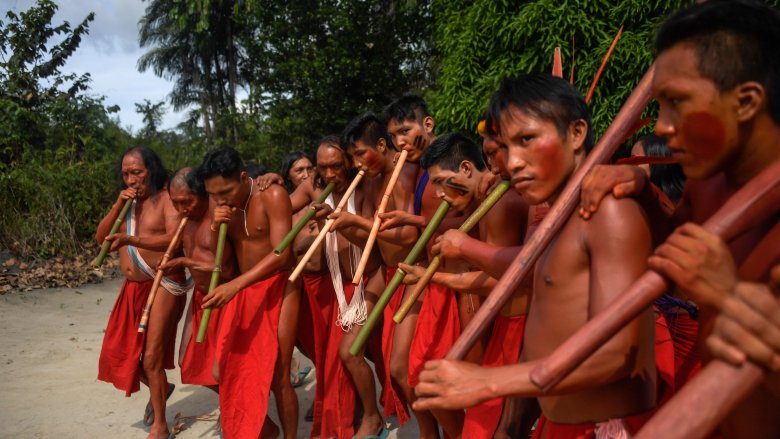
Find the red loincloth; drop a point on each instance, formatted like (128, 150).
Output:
(438, 326)
(334, 395)
(504, 348)
(392, 399)
(664, 360)
(247, 348)
(546, 429)
(120, 356)
(687, 361)
(198, 360)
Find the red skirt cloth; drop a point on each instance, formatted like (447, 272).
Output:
(198, 360)
(664, 360)
(247, 348)
(504, 348)
(438, 326)
(120, 356)
(546, 429)
(687, 361)
(334, 394)
(392, 399)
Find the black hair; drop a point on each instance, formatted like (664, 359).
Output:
(187, 176)
(735, 41)
(254, 170)
(334, 141)
(287, 164)
(670, 178)
(223, 161)
(158, 175)
(366, 128)
(406, 107)
(544, 96)
(450, 150)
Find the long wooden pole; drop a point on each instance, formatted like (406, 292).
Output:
(603, 64)
(377, 220)
(396, 280)
(754, 202)
(303, 220)
(114, 228)
(159, 275)
(215, 273)
(326, 228)
(564, 206)
(466, 227)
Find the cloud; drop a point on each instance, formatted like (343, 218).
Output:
(110, 53)
(115, 27)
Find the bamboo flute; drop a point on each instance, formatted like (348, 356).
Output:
(377, 221)
(159, 275)
(603, 64)
(303, 220)
(467, 225)
(392, 286)
(754, 202)
(560, 212)
(114, 228)
(326, 228)
(215, 273)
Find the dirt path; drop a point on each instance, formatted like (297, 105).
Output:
(49, 345)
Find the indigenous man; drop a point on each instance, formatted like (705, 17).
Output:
(334, 301)
(251, 355)
(719, 109)
(366, 141)
(190, 199)
(149, 225)
(544, 124)
(428, 331)
(458, 173)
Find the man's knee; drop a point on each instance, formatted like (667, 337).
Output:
(399, 368)
(152, 361)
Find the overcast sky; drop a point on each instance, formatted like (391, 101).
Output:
(110, 53)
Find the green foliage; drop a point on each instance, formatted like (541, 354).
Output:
(483, 42)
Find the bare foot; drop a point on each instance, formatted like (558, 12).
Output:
(158, 433)
(270, 430)
(370, 425)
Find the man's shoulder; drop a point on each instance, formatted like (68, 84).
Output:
(615, 218)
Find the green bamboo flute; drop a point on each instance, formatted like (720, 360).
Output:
(387, 294)
(467, 225)
(115, 228)
(204, 321)
(304, 219)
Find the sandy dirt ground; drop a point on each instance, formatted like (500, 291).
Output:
(49, 345)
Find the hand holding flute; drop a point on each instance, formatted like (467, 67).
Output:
(128, 195)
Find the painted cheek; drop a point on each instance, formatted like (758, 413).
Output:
(371, 159)
(703, 135)
(549, 161)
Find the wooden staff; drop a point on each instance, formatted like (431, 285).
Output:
(557, 69)
(696, 410)
(303, 220)
(392, 286)
(560, 212)
(377, 220)
(159, 275)
(466, 227)
(204, 321)
(603, 64)
(325, 229)
(114, 228)
(753, 203)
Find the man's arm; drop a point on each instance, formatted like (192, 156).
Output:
(104, 227)
(473, 282)
(279, 213)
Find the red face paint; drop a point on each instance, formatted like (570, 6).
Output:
(703, 135)
(371, 160)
